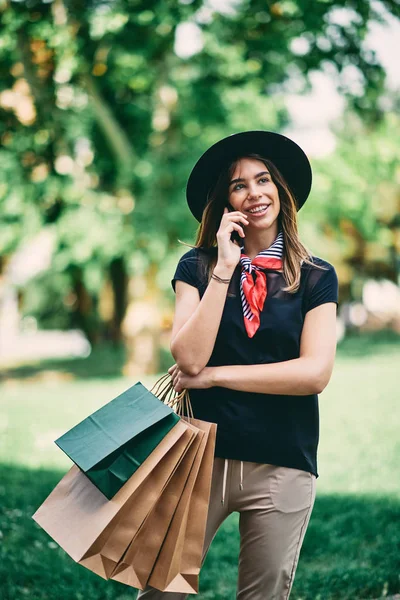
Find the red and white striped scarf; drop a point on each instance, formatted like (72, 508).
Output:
(253, 293)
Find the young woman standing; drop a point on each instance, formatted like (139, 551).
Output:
(254, 339)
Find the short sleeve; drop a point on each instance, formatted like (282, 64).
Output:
(325, 288)
(187, 270)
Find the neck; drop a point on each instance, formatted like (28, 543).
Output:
(260, 240)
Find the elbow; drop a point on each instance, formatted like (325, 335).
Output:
(320, 381)
(188, 368)
(191, 370)
(185, 364)
(317, 388)
(317, 374)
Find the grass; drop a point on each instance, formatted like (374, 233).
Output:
(352, 546)
(102, 363)
(351, 550)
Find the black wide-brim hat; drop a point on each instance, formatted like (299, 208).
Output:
(286, 155)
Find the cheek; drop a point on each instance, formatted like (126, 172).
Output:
(274, 191)
(275, 196)
(234, 199)
(277, 208)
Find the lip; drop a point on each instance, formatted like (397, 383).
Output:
(258, 214)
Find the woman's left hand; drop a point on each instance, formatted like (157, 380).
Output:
(181, 381)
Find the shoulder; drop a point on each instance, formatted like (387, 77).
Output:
(196, 255)
(319, 264)
(320, 282)
(320, 270)
(192, 268)
(187, 266)
(190, 255)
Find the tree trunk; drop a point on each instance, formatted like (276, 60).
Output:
(85, 315)
(119, 282)
(142, 325)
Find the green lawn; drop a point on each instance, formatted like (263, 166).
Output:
(352, 546)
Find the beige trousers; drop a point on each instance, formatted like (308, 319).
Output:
(275, 505)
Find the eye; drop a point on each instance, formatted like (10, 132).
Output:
(263, 179)
(236, 187)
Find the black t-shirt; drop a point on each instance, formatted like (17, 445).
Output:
(266, 428)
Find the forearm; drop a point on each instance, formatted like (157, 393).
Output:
(298, 377)
(193, 344)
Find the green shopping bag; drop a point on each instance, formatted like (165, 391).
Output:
(112, 443)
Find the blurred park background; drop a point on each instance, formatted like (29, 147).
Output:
(105, 106)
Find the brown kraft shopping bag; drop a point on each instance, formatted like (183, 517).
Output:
(177, 567)
(112, 544)
(137, 563)
(81, 519)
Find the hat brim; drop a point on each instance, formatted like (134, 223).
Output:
(286, 155)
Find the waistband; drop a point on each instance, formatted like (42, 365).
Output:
(225, 478)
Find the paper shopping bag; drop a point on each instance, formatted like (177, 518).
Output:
(80, 518)
(112, 544)
(112, 443)
(135, 566)
(177, 567)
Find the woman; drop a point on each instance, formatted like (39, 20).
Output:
(254, 339)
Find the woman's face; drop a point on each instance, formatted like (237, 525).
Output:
(251, 187)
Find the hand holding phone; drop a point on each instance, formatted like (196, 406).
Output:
(230, 236)
(235, 237)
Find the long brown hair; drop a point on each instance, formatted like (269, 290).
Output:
(295, 252)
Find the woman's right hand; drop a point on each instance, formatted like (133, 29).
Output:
(229, 252)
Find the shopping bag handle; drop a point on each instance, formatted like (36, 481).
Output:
(183, 404)
(164, 390)
(163, 387)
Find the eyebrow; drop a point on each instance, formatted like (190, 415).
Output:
(255, 177)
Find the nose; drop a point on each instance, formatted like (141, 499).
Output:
(253, 191)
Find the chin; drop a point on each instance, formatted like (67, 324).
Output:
(266, 224)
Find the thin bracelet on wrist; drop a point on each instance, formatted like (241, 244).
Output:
(220, 279)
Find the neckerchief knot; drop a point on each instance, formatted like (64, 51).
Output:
(253, 291)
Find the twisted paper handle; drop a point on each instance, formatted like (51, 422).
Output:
(164, 390)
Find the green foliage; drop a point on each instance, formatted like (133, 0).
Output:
(33, 565)
(355, 194)
(367, 177)
(351, 545)
(101, 121)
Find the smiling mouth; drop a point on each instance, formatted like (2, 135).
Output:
(260, 210)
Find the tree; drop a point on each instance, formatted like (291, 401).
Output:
(356, 200)
(101, 121)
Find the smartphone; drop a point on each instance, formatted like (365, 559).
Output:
(235, 237)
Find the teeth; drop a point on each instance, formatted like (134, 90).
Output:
(258, 209)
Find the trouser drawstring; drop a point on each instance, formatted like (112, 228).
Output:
(225, 478)
(224, 481)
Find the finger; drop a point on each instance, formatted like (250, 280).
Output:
(177, 385)
(172, 369)
(237, 213)
(232, 217)
(236, 227)
(178, 377)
